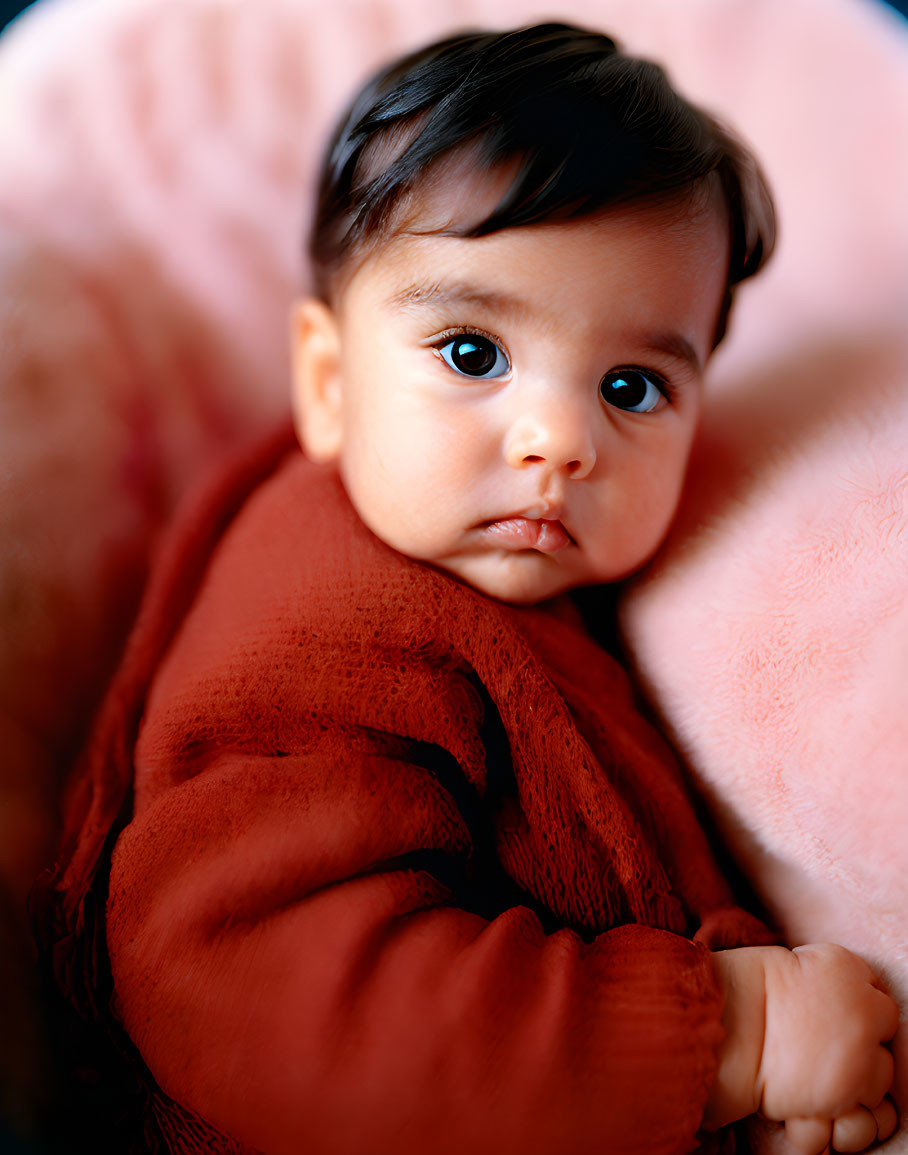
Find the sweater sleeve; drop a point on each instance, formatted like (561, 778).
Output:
(291, 970)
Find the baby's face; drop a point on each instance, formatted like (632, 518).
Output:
(518, 409)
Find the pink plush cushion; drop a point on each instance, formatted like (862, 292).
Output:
(773, 631)
(157, 160)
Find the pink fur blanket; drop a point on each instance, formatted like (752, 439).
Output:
(157, 160)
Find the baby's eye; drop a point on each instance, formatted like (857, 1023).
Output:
(632, 391)
(474, 356)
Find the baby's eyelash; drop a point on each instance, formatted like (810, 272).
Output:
(467, 331)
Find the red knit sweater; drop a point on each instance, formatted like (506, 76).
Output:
(405, 871)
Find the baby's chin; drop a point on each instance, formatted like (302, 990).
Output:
(525, 578)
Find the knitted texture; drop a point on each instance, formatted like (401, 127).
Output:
(404, 868)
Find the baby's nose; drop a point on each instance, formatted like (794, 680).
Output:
(555, 433)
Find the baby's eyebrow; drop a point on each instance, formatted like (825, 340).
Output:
(457, 294)
(674, 345)
(454, 294)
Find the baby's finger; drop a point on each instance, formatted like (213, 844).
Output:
(858, 1129)
(809, 1136)
(855, 1131)
(887, 1118)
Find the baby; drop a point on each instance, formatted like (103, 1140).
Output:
(372, 851)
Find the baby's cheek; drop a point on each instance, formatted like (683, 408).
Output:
(658, 473)
(633, 519)
(399, 501)
(655, 503)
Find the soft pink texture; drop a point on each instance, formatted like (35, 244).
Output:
(773, 630)
(156, 159)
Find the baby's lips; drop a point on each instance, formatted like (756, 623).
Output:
(552, 537)
(530, 533)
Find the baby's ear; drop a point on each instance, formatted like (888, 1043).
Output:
(315, 352)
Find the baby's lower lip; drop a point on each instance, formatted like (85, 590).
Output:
(528, 533)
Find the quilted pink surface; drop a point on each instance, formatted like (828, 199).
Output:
(156, 159)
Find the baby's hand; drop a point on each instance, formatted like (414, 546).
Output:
(804, 1034)
(823, 1068)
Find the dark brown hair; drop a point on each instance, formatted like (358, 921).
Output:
(585, 126)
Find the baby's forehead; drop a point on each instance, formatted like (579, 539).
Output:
(457, 198)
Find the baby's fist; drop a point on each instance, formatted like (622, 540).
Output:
(825, 1025)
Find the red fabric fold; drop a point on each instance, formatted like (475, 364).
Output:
(403, 869)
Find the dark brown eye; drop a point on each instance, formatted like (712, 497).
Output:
(474, 356)
(631, 390)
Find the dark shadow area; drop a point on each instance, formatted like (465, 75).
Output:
(8, 13)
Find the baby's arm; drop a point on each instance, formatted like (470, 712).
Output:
(291, 971)
(804, 1034)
